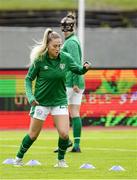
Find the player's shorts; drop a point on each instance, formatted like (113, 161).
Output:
(41, 112)
(73, 97)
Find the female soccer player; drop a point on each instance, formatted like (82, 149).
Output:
(48, 67)
(74, 83)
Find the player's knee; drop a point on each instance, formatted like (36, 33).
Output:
(64, 135)
(33, 136)
(74, 112)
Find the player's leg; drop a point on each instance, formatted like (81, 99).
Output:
(34, 130)
(74, 101)
(70, 143)
(76, 126)
(61, 120)
(36, 124)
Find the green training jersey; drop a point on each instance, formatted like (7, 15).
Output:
(50, 75)
(72, 46)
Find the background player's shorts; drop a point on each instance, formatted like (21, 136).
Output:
(73, 97)
(41, 112)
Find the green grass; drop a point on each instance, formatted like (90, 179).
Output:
(101, 148)
(112, 4)
(67, 4)
(37, 4)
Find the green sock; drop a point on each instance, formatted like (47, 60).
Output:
(25, 145)
(77, 126)
(62, 144)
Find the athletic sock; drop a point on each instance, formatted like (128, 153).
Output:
(62, 144)
(77, 126)
(25, 145)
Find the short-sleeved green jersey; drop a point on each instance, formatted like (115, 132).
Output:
(72, 46)
(50, 75)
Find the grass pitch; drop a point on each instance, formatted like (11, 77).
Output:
(67, 4)
(102, 148)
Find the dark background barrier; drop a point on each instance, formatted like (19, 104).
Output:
(51, 18)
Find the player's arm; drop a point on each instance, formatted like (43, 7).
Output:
(75, 68)
(72, 48)
(31, 75)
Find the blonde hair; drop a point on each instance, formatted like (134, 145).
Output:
(72, 15)
(40, 48)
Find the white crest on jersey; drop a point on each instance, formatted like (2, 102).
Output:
(62, 66)
(45, 67)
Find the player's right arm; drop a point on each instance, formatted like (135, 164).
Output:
(31, 75)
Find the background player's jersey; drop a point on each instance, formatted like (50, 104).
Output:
(72, 46)
(50, 75)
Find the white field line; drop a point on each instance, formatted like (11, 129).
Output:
(88, 149)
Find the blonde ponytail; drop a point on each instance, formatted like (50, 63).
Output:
(40, 48)
(71, 14)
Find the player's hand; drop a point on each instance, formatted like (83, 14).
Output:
(34, 103)
(76, 89)
(87, 65)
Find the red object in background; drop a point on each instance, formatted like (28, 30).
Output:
(133, 88)
(19, 120)
(93, 84)
(13, 72)
(99, 110)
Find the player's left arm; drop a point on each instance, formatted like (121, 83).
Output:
(73, 49)
(76, 68)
